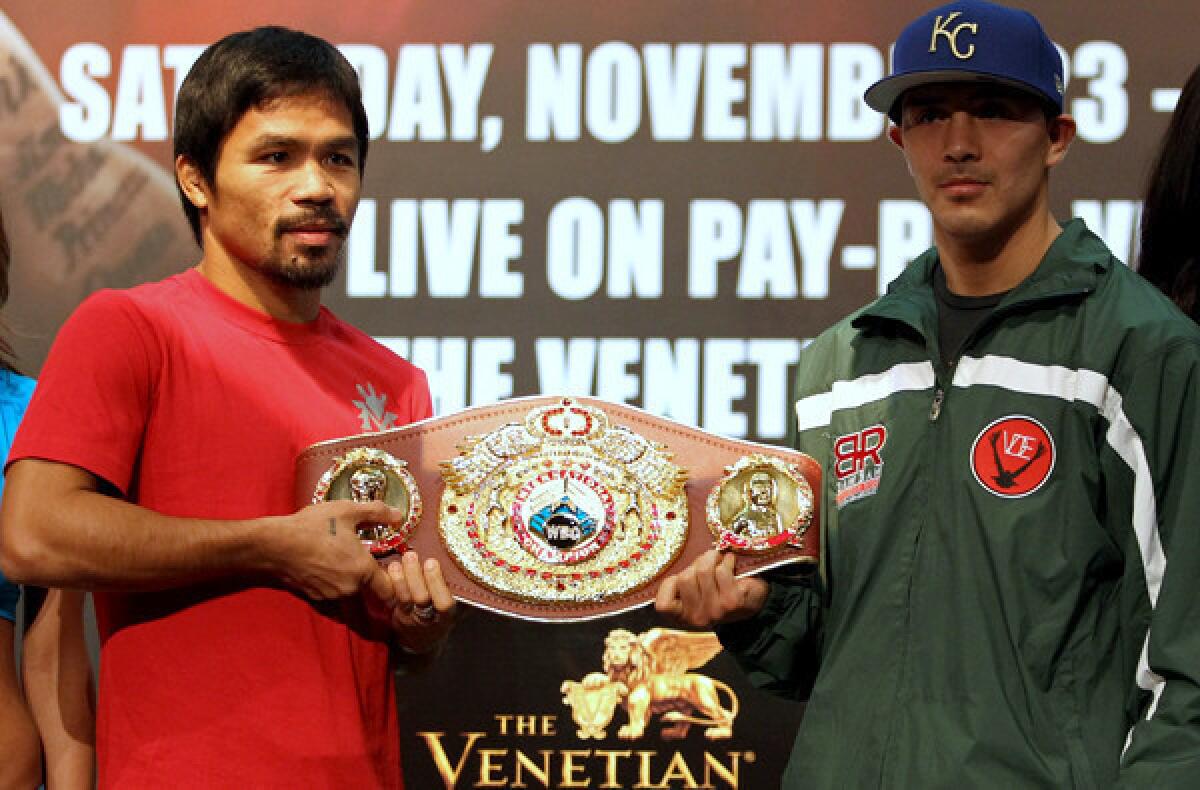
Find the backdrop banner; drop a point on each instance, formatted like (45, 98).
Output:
(655, 203)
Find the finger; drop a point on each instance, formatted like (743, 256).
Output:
(415, 578)
(435, 582)
(702, 604)
(378, 512)
(726, 595)
(724, 576)
(395, 572)
(689, 593)
(706, 562)
(666, 601)
(380, 584)
(752, 595)
(402, 613)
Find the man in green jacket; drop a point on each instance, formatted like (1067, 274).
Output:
(1010, 591)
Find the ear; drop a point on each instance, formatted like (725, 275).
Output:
(191, 181)
(1062, 133)
(896, 135)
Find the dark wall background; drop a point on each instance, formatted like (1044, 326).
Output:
(530, 260)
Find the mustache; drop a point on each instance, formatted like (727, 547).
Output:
(963, 174)
(320, 218)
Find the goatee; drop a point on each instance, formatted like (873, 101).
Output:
(308, 267)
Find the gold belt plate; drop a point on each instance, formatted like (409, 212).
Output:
(563, 507)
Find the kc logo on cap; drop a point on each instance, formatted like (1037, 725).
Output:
(941, 27)
(971, 41)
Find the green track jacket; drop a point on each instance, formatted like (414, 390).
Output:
(1010, 590)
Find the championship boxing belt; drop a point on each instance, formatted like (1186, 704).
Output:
(564, 509)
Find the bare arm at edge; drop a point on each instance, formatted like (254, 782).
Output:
(57, 529)
(20, 751)
(57, 676)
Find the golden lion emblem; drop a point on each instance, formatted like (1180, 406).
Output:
(649, 674)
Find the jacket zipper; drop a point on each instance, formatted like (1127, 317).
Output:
(936, 409)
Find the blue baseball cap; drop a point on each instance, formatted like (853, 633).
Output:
(971, 41)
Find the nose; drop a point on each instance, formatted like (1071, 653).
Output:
(962, 139)
(314, 184)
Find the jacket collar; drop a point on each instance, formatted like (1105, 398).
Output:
(1072, 267)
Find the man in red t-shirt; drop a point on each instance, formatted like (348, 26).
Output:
(243, 645)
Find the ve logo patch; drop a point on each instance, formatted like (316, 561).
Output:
(1013, 456)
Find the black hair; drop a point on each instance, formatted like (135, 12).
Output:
(1170, 252)
(246, 70)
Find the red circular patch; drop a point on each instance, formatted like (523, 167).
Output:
(1013, 456)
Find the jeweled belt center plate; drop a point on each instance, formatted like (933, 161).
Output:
(563, 508)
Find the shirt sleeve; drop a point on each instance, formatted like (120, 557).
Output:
(14, 397)
(1163, 750)
(777, 649)
(421, 406)
(95, 391)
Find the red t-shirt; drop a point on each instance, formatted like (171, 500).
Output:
(193, 404)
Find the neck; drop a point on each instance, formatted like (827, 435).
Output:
(981, 267)
(250, 287)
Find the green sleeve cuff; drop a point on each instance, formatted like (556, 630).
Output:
(748, 637)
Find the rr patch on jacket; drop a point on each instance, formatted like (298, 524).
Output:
(858, 464)
(1013, 456)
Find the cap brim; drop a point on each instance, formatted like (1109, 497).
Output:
(883, 95)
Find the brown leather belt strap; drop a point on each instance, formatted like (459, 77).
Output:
(558, 508)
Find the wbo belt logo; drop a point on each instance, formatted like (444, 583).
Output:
(941, 27)
(1013, 456)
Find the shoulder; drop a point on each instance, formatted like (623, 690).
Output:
(15, 393)
(1139, 340)
(106, 323)
(1127, 320)
(836, 338)
(151, 303)
(15, 387)
(1142, 314)
(118, 330)
(1125, 298)
(846, 327)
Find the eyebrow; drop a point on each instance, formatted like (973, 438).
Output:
(288, 141)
